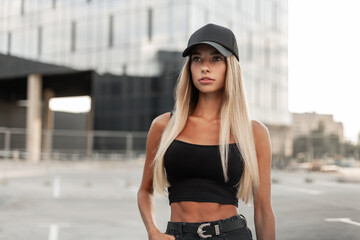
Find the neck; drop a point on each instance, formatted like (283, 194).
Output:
(208, 106)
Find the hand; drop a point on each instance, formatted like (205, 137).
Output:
(160, 236)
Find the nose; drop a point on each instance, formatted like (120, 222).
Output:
(205, 67)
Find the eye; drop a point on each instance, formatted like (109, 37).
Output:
(217, 59)
(196, 59)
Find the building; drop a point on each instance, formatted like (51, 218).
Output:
(124, 103)
(143, 40)
(125, 37)
(317, 137)
(305, 123)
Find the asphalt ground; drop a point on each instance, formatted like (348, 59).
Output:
(97, 200)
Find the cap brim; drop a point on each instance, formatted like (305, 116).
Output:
(221, 49)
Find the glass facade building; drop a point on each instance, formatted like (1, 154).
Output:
(125, 37)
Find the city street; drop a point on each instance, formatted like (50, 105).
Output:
(97, 201)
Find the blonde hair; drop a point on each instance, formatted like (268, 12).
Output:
(235, 119)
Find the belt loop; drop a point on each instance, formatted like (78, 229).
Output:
(181, 228)
(243, 217)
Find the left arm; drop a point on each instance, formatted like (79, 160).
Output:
(263, 213)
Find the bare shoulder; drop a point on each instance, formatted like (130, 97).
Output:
(259, 128)
(161, 121)
(156, 130)
(262, 141)
(260, 131)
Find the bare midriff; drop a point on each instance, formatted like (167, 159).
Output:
(187, 211)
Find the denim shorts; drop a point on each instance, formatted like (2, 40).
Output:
(241, 233)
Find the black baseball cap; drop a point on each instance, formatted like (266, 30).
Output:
(221, 38)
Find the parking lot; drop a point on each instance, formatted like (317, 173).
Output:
(97, 200)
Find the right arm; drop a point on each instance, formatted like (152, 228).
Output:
(146, 191)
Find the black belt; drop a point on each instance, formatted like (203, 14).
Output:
(209, 229)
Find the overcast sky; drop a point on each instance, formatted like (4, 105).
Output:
(324, 51)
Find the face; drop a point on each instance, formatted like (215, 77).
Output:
(208, 69)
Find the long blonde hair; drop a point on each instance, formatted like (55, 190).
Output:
(235, 119)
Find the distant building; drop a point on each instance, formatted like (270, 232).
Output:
(305, 123)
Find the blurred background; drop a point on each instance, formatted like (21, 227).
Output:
(82, 80)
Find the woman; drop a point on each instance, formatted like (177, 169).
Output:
(208, 154)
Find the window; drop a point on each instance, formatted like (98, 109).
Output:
(111, 31)
(39, 40)
(9, 43)
(150, 17)
(73, 36)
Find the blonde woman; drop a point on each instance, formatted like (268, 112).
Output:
(208, 153)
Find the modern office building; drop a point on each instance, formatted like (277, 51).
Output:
(141, 40)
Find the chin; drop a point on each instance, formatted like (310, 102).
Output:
(202, 90)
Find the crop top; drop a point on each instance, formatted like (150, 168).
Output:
(195, 173)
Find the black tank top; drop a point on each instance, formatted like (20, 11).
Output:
(195, 173)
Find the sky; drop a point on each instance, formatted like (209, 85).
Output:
(324, 51)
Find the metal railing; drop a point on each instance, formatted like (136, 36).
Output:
(75, 145)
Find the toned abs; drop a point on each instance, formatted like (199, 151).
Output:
(200, 211)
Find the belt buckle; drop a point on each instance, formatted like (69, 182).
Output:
(201, 232)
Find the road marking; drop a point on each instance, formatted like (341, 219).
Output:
(54, 232)
(56, 189)
(53, 229)
(300, 190)
(344, 220)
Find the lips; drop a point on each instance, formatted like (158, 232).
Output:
(206, 80)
